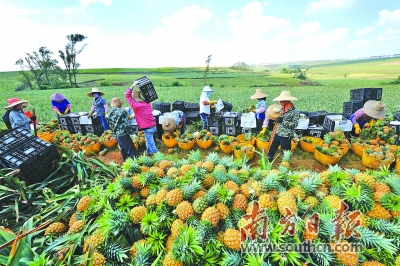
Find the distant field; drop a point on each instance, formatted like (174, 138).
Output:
(230, 85)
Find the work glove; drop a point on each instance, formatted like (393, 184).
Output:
(357, 128)
(134, 84)
(263, 130)
(59, 113)
(106, 112)
(212, 102)
(66, 111)
(130, 117)
(279, 119)
(90, 113)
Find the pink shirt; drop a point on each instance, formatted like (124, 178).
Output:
(143, 111)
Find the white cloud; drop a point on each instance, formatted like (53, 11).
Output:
(389, 35)
(356, 44)
(234, 13)
(88, 2)
(218, 23)
(389, 18)
(305, 29)
(328, 5)
(365, 31)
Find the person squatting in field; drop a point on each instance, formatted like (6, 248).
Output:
(99, 106)
(175, 120)
(371, 110)
(144, 117)
(205, 105)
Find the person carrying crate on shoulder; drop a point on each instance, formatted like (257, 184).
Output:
(371, 110)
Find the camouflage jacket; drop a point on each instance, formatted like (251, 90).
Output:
(289, 123)
(119, 123)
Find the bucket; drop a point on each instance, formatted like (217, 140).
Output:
(110, 143)
(204, 144)
(358, 149)
(170, 143)
(397, 166)
(241, 139)
(374, 163)
(46, 136)
(262, 145)
(310, 147)
(226, 148)
(345, 149)
(186, 145)
(325, 159)
(245, 150)
(92, 149)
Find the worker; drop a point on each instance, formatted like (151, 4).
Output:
(99, 106)
(273, 111)
(260, 107)
(205, 104)
(17, 117)
(60, 104)
(175, 120)
(371, 110)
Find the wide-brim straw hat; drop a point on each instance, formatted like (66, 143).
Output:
(207, 89)
(116, 102)
(258, 95)
(274, 111)
(169, 124)
(375, 109)
(285, 96)
(95, 90)
(58, 97)
(136, 96)
(15, 101)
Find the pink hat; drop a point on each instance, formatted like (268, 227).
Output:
(58, 97)
(14, 102)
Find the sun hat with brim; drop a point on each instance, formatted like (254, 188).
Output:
(285, 96)
(58, 97)
(14, 102)
(375, 109)
(258, 95)
(274, 111)
(207, 89)
(95, 90)
(136, 96)
(169, 124)
(116, 102)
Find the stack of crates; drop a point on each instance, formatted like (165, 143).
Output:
(36, 159)
(179, 106)
(215, 123)
(163, 107)
(358, 97)
(71, 123)
(192, 112)
(93, 125)
(317, 117)
(147, 90)
(231, 123)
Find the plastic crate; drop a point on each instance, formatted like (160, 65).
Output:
(230, 118)
(300, 132)
(317, 118)
(163, 107)
(215, 119)
(178, 105)
(396, 115)
(78, 129)
(192, 117)
(246, 130)
(350, 107)
(13, 138)
(147, 90)
(333, 122)
(366, 94)
(69, 119)
(191, 107)
(96, 129)
(316, 131)
(232, 130)
(215, 130)
(396, 126)
(70, 128)
(227, 107)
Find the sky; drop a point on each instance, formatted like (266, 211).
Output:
(183, 33)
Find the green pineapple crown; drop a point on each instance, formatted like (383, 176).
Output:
(195, 156)
(145, 160)
(286, 155)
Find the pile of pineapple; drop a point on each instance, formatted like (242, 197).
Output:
(204, 135)
(184, 137)
(168, 210)
(378, 132)
(383, 153)
(334, 144)
(227, 140)
(107, 135)
(50, 127)
(88, 139)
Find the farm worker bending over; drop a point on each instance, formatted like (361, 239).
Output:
(273, 111)
(60, 104)
(17, 117)
(99, 106)
(176, 119)
(372, 110)
(144, 117)
(121, 127)
(260, 107)
(205, 103)
(287, 122)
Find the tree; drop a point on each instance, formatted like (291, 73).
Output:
(207, 68)
(240, 66)
(69, 57)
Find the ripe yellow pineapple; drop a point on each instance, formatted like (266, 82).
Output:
(199, 194)
(209, 166)
(159, 171)
(55, 228)
(324, 176)
(239, 202)
(174, 197)
(94, 240)
(144, 192)
(178, 223)
(232, 186)
(185, 168)
(170, 261)
(322, 189)
(165, 164)
(76, 227)
(220, 167)
(144, 168)
(395, 213)
(137, 214)
(184, 210)
(199, 164)
(310, 200)
(379, 212)
(334, 201)
(364, 220)
(297, 191)
(83, 203)
(98, 259)
(212, 215)
(160, 195)
(135, 182)
(372, 263)
(380, 189)
(133, 250)
(286, 203)
(173, 172)
(362, 177)
(246, 189)
(223, 210)
(169, 243)
(232, 238)
(72, 220)
(267, 201)
(257, 187)
(208, 181)
(303, 175)
(286, 158)
(220, 236)
(151, 200)
(347, 258)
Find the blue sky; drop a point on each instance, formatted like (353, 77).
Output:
(162, 33)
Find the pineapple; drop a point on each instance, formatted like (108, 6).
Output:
(83, 203)
(98, 259)
(74, 217)
(334, 201)
(136, 182)
(232, 239)
(151, 200)
(211, 160)
(165, 164)
(185, 168)
(310, 200)
(169, 243)
(176, 225)
(144, 168)
(126, 182)
(173, 172)
(160, 195)
(324, 176)
(184, 210)
(368, 179)
(372, 263)
(347, 258)
(220, 167)
(379, 212)
(145, 160)
(208, 181)
(397, 262)
(267, 201)
(133, 250)
(55, 228)
(137, 214)
(199, 194)
(94, 240)
(297, 192)
(159, 171)
(144, 192)
(174, 196)
(76, 227)
(200, 205)
(239, 202)
(247, 189)
(286, 204)
(170, 261)
(212, 215)
(223, 210)
(232, 186)
(380, 189)
(285, 159)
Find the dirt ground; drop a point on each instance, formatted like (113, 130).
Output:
(300, 160)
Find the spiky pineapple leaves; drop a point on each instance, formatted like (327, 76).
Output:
(187, 247)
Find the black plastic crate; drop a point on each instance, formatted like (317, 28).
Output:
(232, 130)
(96, 129)
(230, 119)
(396, 115)
(13, 138)
(215, 119)
(300, 132)
(317, 131)
(69, 119)
(178, 105)
(163, 107)
(366, 94)
(317, 117)
(215, 130)
(227, 107)
(396, 126)
(78, 128)
(191, 107)
(147, 89)
(70, 128)
(192, 116)
(247, 130)
(350, 107)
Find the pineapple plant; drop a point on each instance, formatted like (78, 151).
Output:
(211, 160)
(286, 158)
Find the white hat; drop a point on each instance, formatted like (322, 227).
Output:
(207, 89)
(285, 96)
(375, 109)
(95, 90)
(258, 95)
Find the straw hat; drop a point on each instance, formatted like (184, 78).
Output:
(169, 124)
(136, 96)
(273, 111)
(207, 89)
(285, 96)
(375, 109)
(116, 102)
(14, 102)
(58, 97)
(95, 90)
(258, 95)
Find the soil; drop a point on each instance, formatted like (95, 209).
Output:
(299, 161)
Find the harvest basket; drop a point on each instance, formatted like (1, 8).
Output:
(310, 147)
(91, 149)
(397, 166)
(170, 143)
(262, 145)
(226, 148)
(345, 149)
(186, 145)
(326, 159)
(110, 143)
(46, 136)
(374, 163)
(358, 149)
(241, 139)
(246, 149)
(204, 144)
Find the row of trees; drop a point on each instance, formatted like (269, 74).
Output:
(40, 70)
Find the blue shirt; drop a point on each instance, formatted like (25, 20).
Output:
(61, 106)
(98, 105)
(19, 120)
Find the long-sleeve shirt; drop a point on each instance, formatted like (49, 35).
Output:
(204, 108)
(289, 123)
(119, 123)
(19, 120)
(360, 117)
(261, 106)
(143, 111)
(61, 106)
(99, 106)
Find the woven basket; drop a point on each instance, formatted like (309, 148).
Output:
(186, 145)
(204, 144)
(170, 143)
